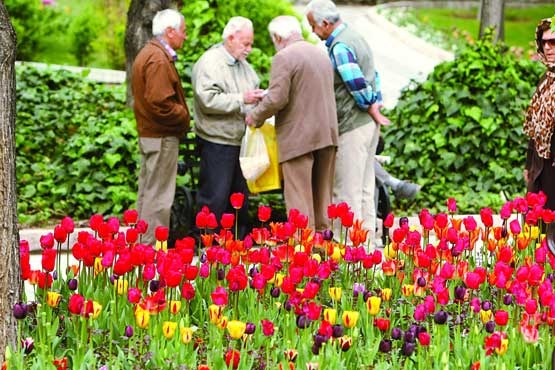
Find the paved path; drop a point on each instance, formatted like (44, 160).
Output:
(399, 55)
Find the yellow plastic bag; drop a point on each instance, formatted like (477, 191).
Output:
(271, 178)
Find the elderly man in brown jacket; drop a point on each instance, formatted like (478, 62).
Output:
(162, 118)
(301, 98)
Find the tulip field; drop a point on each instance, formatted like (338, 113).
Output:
(450, 292)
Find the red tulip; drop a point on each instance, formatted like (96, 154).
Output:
(161, 233)
(264, 213)
(332, 211)
(130, 217)
(452, 205)
(237, 278)
(188, 291)
(227, 221)
(388, 222)
(60, 234)
(237, 200)
(75, 304)
(134, 295)
(48, 259)
(267, 327)
(424, 338)
(219, 296)
(382, 324)
(501, 317)
(347, 219)
(68, 225)
(232, 358)
(47, 241)
(486, 214)
(95, 221)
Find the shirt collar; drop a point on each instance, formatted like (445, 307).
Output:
(168, 48)
(334, 34)
(229, 58)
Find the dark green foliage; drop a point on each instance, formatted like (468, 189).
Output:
(32, 21)
(459, 133)
(206, 20)
(76, 146)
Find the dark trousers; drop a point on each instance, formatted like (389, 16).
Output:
(220, 176)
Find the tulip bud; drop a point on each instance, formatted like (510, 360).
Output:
(409, 336)
(327, 234)
(303, 322)
(421, 282)
(250, 328)
(403, 221)
(316, 348)
(396, 333)
(154, 285)
(508, 299)
(337, 331)
(408, 348)
(275, 292)
(28, 344)
(486, 305)
(319, 339)
(221, 274)
(460, 292)
(128, 331)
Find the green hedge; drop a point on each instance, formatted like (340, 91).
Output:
(459, 133)
(76, 146)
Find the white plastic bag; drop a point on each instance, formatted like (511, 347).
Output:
(253, 157)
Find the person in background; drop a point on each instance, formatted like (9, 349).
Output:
(301, 97)
(358, 111)
(539, 124)
(225, 87)
(162, 118)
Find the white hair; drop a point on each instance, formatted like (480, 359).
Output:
(323, 10)
(284, 26)
(164, 19)
(236, 24)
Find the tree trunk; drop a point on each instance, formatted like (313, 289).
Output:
(492, 14)
(10, 280)
(139, 30)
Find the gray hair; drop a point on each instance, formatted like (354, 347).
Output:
(323, 9)
(236, 24)
(284, 26)
(166, 18)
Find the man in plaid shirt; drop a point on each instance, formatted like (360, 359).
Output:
(358, 100)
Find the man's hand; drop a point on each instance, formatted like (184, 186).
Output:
(377, 116)
(253, 96)
(249, 121)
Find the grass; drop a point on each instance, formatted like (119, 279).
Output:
(520, 23)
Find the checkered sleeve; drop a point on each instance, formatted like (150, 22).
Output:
(345, 63)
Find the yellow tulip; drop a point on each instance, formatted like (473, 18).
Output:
(186, 334)
(142, 317)
(97, 309)
(161, 245)
(336, 254)
(168, 328)
(373, 304)
(386, 294)
(299, 248)
(222, 324)
(175, 307)
(53, 299)
(330, 315)
(215, 313)
(98, 268)
(317, 257)
(277, 280)
(121, 286)
(503, 348)
(389, 252)
(350, 318)
(485, 316)
(407, 290)
(335, 293)
(236, 328)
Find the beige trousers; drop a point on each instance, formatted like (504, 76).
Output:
(355, 180)
(156, 182)
(308, 184)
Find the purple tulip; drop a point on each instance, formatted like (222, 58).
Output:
(385, 345)
(421, 282)
(316, 348)
(113, 278)
(154, 285)
(337, 331)
(327, 234)
(409, 336)
(460, 292)
(441, 317)
(486, 305)
(396, 333)
(203, 258)
(250, 328)
(408, 348)
(27, 344)
(221, 274)
(72, 284)
(303, 322)
(128, 331)
(403, 221)
(20, 310)
(320, 339)
(490, 326)
(508, 299)
(288, 305)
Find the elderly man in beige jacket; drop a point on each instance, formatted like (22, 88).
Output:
(225, 86)
(301, 97)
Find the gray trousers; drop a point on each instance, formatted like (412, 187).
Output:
(156, 182)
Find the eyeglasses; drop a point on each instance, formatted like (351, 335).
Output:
(550, 42)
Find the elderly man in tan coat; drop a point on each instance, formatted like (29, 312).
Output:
(301, 98)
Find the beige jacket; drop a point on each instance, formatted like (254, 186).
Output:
(302, 99)
(219, 82)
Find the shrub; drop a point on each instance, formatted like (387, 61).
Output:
(76, 146)
(459, 133)
(32, 21)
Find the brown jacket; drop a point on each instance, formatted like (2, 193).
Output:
(160, 107)
(302, 99)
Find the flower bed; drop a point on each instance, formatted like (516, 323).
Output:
(452, 292)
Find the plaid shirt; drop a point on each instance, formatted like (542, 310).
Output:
(345, 63)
